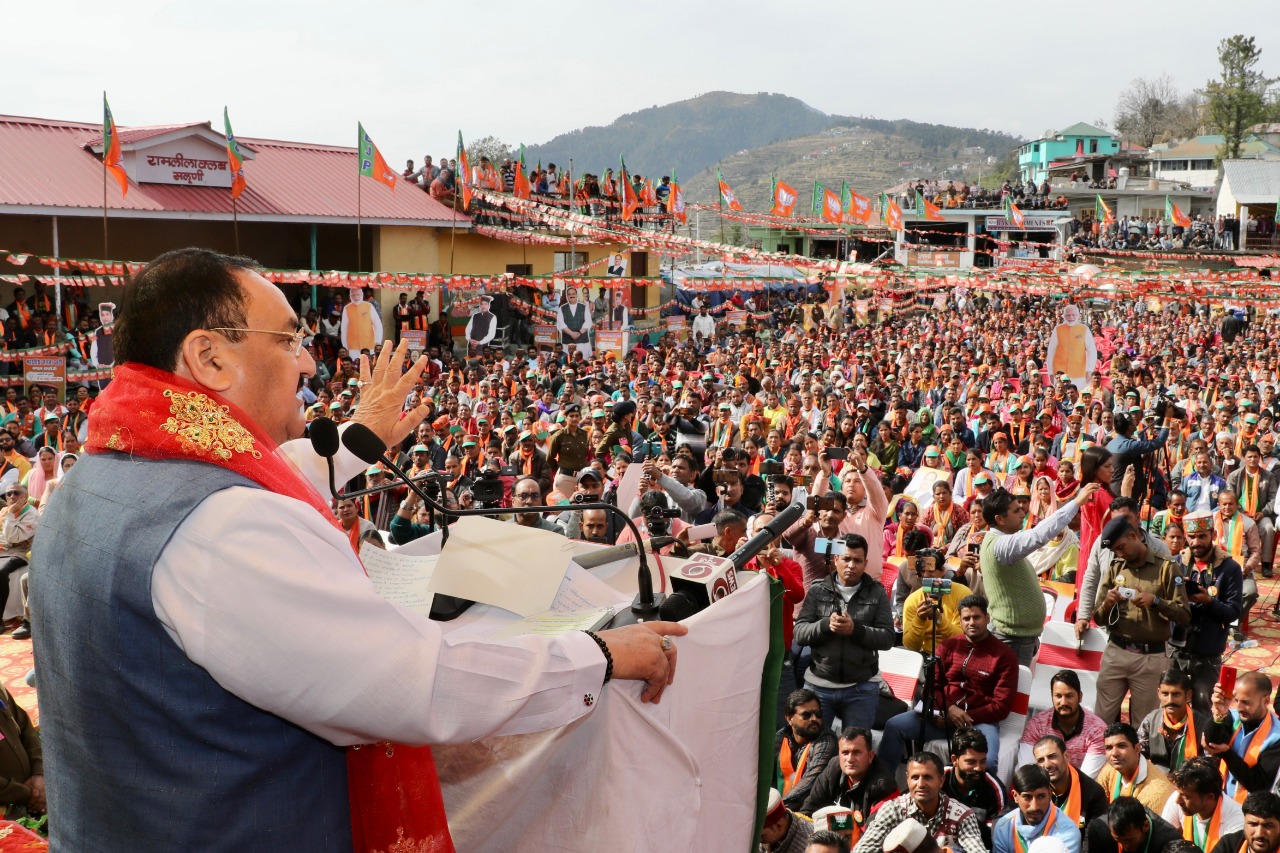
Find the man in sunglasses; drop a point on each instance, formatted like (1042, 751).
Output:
(18, 522)
(803, 747)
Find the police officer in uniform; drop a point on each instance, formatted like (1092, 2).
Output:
(1140, 599)
(569, 450)
(1214, 584)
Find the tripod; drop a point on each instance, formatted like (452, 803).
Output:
(932, 678)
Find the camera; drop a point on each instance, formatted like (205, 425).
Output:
(1166, 407)
(822, 503)
(925, 559)
(769, 468)
(1128, 593)
(582, 499)
(486, 488)
(658, 520)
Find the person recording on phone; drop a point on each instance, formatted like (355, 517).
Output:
(1141, 598)
(927, 604)
(728, 487)
(819, 526)
(677, 486)
(1214, 585)
(1246, 739)
(846, 621)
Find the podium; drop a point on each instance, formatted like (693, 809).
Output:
(679, 775)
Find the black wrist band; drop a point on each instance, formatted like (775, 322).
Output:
(608, 658)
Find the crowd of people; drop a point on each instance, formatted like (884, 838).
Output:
(961, 194)
(1157, 234)
(948, 468)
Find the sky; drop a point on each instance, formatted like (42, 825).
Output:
(417, 73)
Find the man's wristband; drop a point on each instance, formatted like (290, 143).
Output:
(608, 658)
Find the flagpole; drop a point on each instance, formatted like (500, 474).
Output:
(359, 203)
(106, 253)
(453, 224)
(235, 221)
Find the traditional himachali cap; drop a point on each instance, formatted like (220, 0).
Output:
(597, 413)
(834, 818)
(1197, 522)
(981, 479)
(906, 837)
(525, 436)
(777, 811)
(374, 471)
(932, 451)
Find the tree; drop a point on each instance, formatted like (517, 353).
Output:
(1152, 110)
(1237, 100)
(489, 146)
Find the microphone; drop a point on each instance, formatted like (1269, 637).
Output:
(706, 578)
(323, 433)
(365, 444)
(780, 524)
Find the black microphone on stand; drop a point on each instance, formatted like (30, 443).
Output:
(366, 446)
(323, 433)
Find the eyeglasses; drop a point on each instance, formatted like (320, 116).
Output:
(527, 496)
(808, 715)
(12, 494)
(295, 337)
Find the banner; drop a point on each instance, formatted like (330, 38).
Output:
(607, 341)
(544, 334)
(417, 339)
(45, 372)
(678, 326)
(736, 318)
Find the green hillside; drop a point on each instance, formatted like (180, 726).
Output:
(753, 136)
(687, 135)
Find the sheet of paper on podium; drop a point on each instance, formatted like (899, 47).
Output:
(506, 565)
(403, 579)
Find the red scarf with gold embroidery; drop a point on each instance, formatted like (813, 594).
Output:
(394, 793)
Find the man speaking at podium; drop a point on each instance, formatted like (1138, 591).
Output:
(197, 605)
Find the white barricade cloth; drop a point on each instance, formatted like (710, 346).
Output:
(680, 775)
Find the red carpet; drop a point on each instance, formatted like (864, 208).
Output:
(15, 663)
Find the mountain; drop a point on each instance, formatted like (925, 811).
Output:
(687, 136)
(751, 137)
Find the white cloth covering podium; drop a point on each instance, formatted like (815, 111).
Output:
(679, 775)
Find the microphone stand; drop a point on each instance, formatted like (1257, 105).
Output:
(645, 606)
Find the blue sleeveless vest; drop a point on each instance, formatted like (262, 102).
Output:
(144, 751)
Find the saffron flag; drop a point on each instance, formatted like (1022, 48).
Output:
(371, 163)
(648, 193)
(521, 188)
(675, 200)
(784, 199)
(727, 198)
(926, 209)
(234, 161)
(832, 211)
(463, 178)
(1174, 214)
(857, 208)
(1104, 213)
(112, 156)
(891, 212)
(1014, 214)
(630, 200)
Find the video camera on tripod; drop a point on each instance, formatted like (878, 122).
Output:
(658, 520)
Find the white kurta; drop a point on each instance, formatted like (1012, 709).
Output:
(268, 597)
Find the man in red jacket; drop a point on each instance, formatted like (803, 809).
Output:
(975, 685)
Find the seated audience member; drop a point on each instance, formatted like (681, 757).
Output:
(1198, 807)
(924, 802)
(1261, 833)
(1035, 815)
(1128, 773)
(1080, 798)
(977, 680)
(1130, 827)
(802, 747)
(968, 780)
(855, 779)
(1246, 739)
(1170, 734)
(783, 832)
(923, 611)
(1080, 729)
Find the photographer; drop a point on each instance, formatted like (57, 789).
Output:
(728, 486)
(845, 620)
(932, 604)
(677, 487)
(1126, 451)
(822, 521)
(731, 527)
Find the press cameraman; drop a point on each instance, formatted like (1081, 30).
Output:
(728, 486)
(1127, 451)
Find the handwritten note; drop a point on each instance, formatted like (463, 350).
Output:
(507, 565)
(552, 623)
(400, 578)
